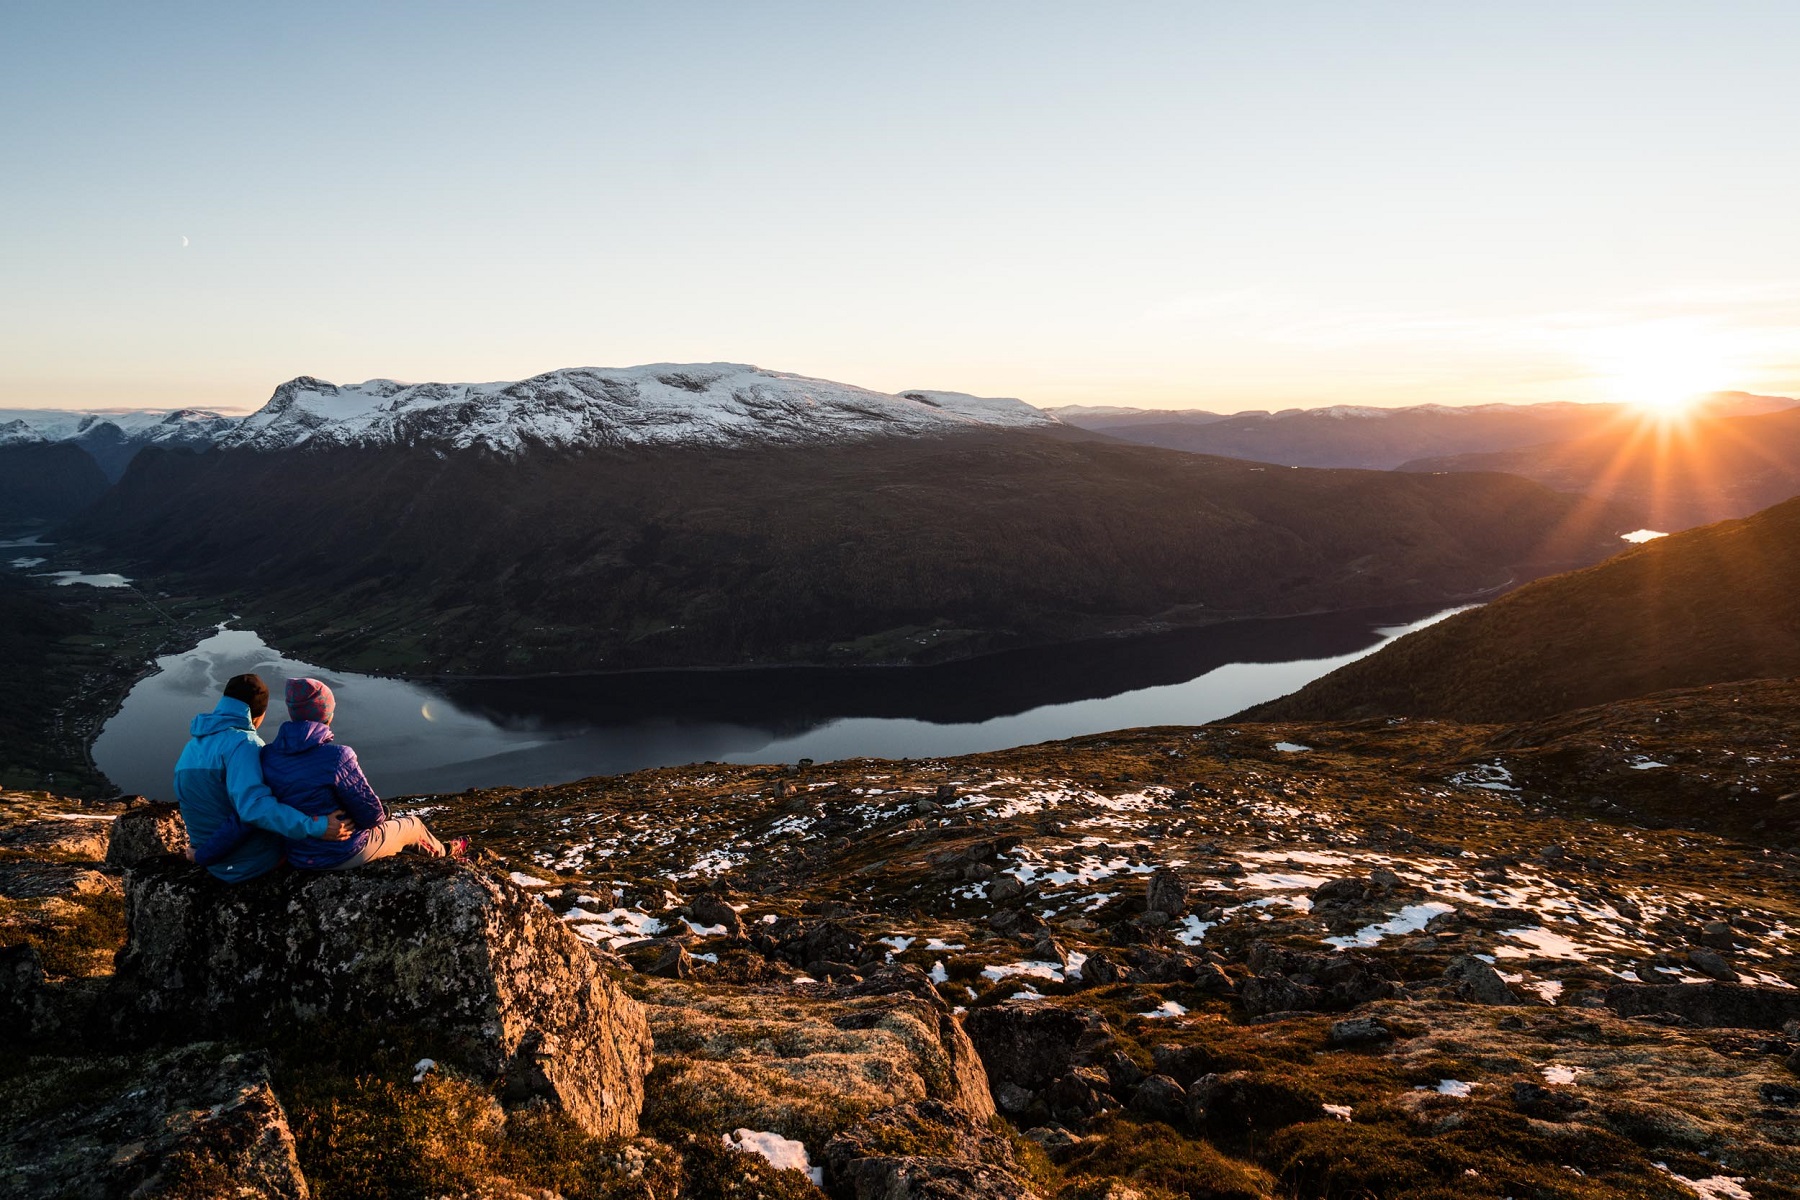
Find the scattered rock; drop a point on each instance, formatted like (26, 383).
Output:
(1710, 964)
(1476, 982)
(1243, 1102)
(1357, 1033)
(465, 954)
(1264, 994)
(710, 911)
(673, 963)
(948, 1156)
(1166, 893)
(145, 831)
(1336, 891)
(197, 1121)
(1006, 889)
(1160, 1098)
(1032, 1045)
(1733, 1005)
(1080, 1095)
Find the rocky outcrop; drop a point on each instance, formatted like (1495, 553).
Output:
(1286, 980)
(946, 1156)
(195, 1122)
(806, 1065)
(1712, 1004)
(467, 956)
(145, 831)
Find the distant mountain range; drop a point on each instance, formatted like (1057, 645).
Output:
(1379, 438)
(1674, 475)
(1712, 605)
(714, 514)
(112, 436)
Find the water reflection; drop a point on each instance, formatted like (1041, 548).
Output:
(476, 733)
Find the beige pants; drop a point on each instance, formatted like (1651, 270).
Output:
(390, 838)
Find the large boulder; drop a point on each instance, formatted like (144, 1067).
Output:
(145, 831)
(194, 1122)
(462, 953)
(1728, 1004)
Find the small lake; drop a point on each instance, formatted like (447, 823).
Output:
(415, 738)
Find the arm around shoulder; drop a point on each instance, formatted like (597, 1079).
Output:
(256, 804)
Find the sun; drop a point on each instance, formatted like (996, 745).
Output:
(1662, 369)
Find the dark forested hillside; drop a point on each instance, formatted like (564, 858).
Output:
(892, 550)
(1714, 604)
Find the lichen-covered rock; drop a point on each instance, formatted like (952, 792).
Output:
(145, 831)
(805, 1066)
(923, 1151)
(1728, 1004)
(464, 954)
(195, 1122)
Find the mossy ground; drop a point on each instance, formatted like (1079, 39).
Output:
(875, 846)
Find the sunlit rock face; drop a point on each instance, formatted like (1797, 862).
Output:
(465, 954)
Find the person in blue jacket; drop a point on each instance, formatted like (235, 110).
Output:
(235, 824)
(310, 771)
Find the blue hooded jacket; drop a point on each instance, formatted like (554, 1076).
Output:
(310, 772)
(219, 787)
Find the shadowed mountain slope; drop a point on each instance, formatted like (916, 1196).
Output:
(892, 549)
(1710, 605)
(45, 481)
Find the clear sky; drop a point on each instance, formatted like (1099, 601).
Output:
(1224, 205)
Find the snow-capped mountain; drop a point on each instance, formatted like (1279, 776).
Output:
(663, 404)
(113, 436)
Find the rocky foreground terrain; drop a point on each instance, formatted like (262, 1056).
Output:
(1391, 958)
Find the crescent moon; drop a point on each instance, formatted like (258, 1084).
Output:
(184, 240)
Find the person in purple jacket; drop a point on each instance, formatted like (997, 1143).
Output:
(308, 771)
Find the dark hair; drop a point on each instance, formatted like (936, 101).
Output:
(251, 690)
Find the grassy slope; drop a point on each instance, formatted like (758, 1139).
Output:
(1713, 604)
(880, 552)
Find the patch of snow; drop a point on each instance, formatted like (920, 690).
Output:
(1192, 930)
(1713, 1187)
(938, 974)
(1454, 1087)
(1292, 747)
(1410, 919)
(530, 881)
(422, 1068)
(1340, 1111)
(1167, 1009)
(1558, 1073)
(1034, 968)
(784, 1154)
(1640, 536)
(1646, 764)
